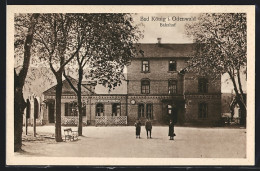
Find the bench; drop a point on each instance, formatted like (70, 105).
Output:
(70, 135)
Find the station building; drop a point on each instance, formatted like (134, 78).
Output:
(157, 87)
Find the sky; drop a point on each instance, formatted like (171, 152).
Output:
(153, 28)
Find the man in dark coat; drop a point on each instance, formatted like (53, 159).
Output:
(148, 127)
(137, 128)
(171, 130)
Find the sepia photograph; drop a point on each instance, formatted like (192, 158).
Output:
(124, 85)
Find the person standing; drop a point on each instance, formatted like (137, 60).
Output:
(137, 128)
(148, 127)
(171, 130)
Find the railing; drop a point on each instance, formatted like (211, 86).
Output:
(72, 120)
(111, 120)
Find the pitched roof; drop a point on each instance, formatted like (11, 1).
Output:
(67, 90)
(165, 50)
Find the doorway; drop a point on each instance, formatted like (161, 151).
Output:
(171, 113)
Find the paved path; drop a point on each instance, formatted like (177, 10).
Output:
(121, 142)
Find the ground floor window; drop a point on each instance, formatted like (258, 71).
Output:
(71, 109)
(149, 111)
(140, 110)
(116, 109)
(99, 109)
(203, 110)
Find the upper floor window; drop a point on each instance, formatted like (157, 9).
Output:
(172, 87)
(116, 109)
(145, 86)
(172, 65)
(140, 110)
(145, 66)
(99, 109)
(203, 85)
(203, 110)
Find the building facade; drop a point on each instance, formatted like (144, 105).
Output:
(158, 88)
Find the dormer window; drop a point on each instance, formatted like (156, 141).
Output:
(172, 65)
(145, 66)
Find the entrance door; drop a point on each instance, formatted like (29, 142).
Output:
(51, 112)
(172, 113)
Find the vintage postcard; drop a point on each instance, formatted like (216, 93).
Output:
(130, 85)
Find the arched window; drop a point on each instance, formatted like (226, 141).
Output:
(172, 86)
(145, 86)
(140, 110)
(99, 109)
(149, 111)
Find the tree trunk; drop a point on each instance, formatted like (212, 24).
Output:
(241, 102)
(19, 103)
(34, 126)
(19, 106)
(26, 125)
(58, 136)
(80, 102)
(80, 115)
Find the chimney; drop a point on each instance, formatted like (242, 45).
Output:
(159, 40)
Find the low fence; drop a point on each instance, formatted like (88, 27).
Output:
(72, 120)
(111, 120)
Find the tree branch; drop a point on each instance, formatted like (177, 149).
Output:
(238, 95)
(240, 88)
(72, 56)
(51, 66)
(70, 83)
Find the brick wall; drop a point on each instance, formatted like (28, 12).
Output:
(192, 109)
